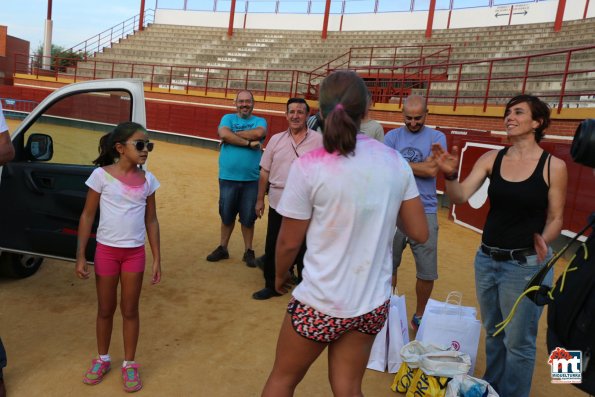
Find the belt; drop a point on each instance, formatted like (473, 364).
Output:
(500, 255)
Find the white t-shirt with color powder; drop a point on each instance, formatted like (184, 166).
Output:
(121, 208)
(352, 203)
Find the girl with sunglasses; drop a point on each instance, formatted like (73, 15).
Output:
(126, 196)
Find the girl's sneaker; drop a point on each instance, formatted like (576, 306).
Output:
(95, 374)
(131, 378)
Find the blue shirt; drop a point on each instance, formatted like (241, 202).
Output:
(238, 163)
(416, 148)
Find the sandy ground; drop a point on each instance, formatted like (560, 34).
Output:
(201, 334)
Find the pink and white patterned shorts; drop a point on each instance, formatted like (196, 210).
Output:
(320, 327)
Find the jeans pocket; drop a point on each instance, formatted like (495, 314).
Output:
(531, 262)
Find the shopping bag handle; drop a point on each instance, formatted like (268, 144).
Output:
(454, 298)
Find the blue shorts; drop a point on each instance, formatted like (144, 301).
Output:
(237, 197)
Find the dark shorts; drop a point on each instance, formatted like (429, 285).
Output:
(320, 327)
(237, 198)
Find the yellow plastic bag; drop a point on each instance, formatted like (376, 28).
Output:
(403, 378)
(423, 385)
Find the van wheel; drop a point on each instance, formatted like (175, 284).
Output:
(19, 265)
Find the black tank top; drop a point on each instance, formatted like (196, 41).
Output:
(517, 209)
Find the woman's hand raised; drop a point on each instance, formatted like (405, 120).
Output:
(447, 162)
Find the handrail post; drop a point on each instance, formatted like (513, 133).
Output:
(564, 77)
(171, 70)
(429, 84)
(188, 81)
(113, 66)
(207, 80)
(226, 84)
(266, 83)
(526, 74)
(152, 76)
(485, 99)
(456, 99)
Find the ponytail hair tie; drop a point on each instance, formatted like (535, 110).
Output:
(339, 106)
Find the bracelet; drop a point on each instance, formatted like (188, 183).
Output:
(451, 177)
(248, 144)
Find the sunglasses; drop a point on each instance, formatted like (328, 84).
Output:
(140, 145)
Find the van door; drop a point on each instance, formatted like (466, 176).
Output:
(41, 198)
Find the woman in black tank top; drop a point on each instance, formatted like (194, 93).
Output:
(527, 193)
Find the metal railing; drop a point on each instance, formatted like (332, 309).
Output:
(562, 77)
(104, 39)
(337, 7)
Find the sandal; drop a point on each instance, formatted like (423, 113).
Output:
(95, 374)
(131, 378)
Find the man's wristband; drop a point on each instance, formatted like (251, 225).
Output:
(248, 142)
(451, 177)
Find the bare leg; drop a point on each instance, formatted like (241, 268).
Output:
(130, 295)
(294, 356)
(348, 358)
(423, 290)
(248, 234)
(107, 298)
(226, 231)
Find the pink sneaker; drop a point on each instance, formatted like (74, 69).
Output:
(95, 374)
(131, 378)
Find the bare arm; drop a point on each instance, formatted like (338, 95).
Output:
(555, 209)
(255, 134)
(263, 181)
(84, 232)
(6, 148)
(459, 192)
(412, 220)
(239, 139)
(425, 169)
(152, 225)
(290, 239)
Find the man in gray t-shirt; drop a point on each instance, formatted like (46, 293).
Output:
(370, 127)
(414, 141)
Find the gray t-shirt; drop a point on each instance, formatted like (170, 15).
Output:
(373, 129)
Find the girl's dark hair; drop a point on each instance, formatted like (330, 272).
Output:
(107, 144)
(343, 103)
(540, 111)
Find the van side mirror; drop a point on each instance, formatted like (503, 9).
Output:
(40, 147)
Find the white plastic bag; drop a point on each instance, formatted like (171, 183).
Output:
(445, 363)
(463, 384)
(386, 349)
(452, 305)
(378, 354)
(398, 332)
(452, 327)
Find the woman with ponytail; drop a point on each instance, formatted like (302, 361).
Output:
(126, 196)
(345, 200)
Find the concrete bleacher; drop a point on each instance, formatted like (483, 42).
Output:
(194, 49)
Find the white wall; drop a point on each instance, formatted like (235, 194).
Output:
(463, 18)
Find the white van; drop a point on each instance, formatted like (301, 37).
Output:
(43, 191)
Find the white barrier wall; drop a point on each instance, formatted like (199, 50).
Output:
(544, 11)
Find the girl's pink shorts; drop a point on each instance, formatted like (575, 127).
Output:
(111, 261)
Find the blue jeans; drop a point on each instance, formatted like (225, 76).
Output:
(510, 356)
(237, 197)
